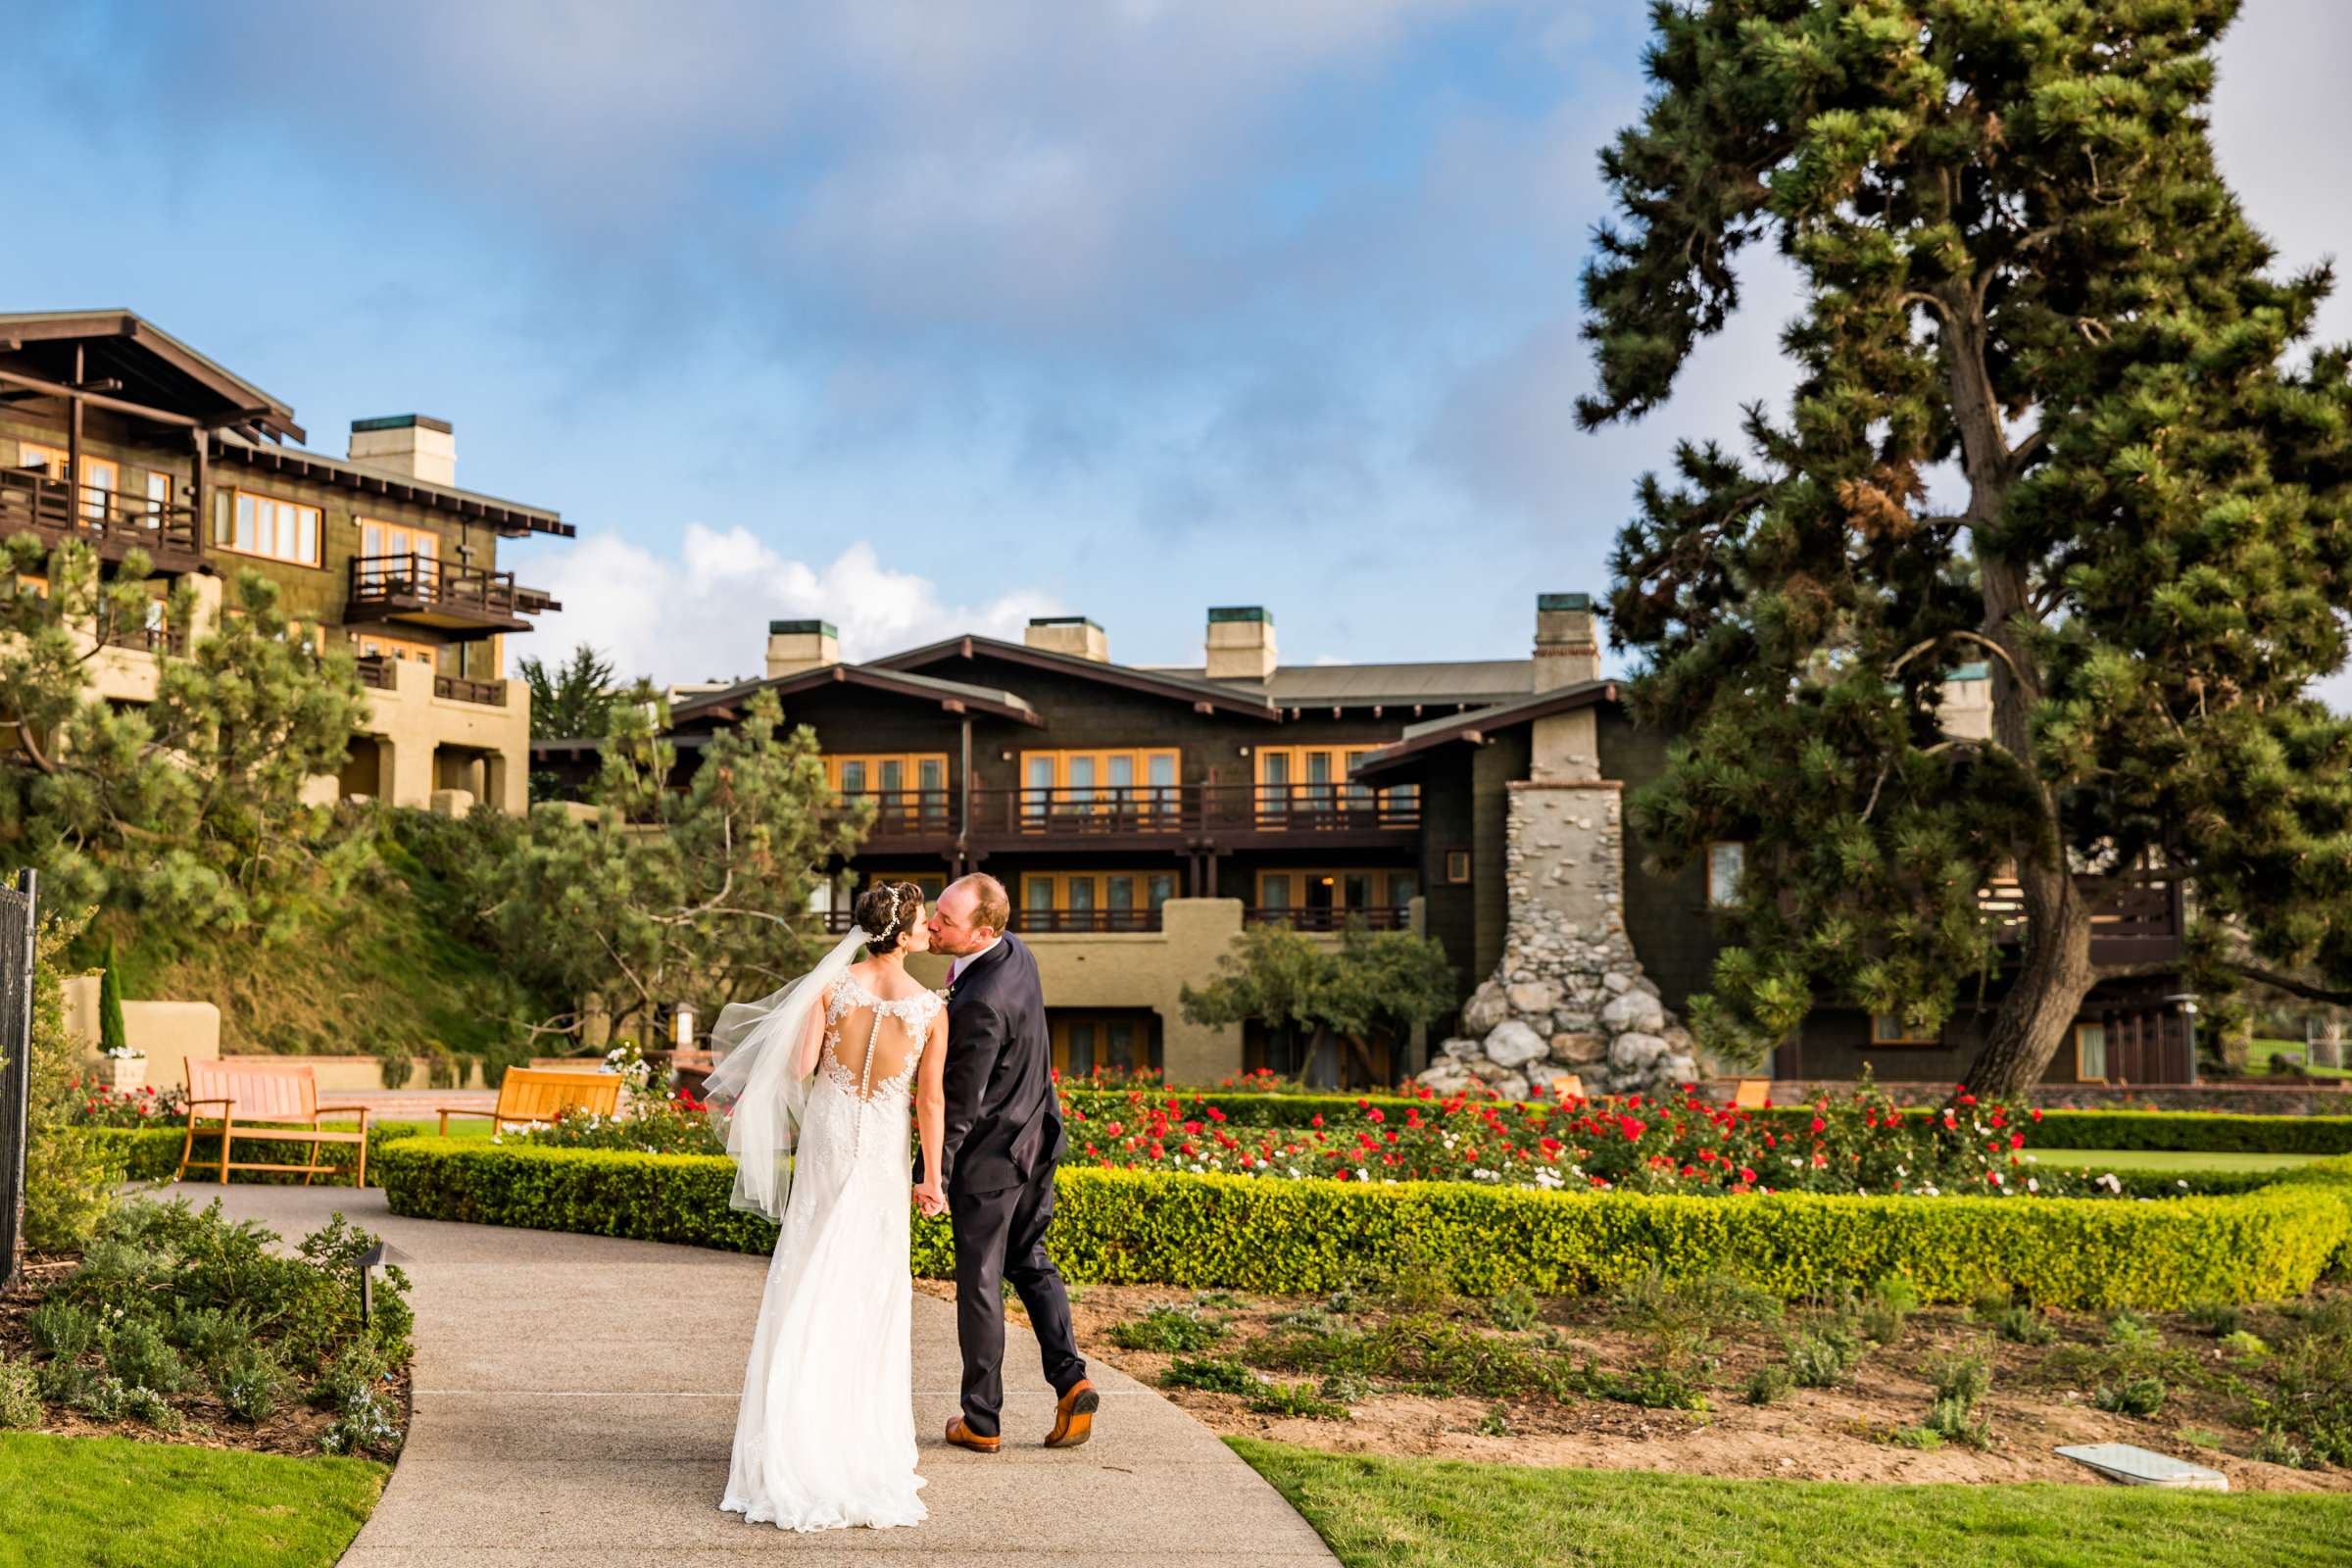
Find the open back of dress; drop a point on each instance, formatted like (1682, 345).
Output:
(871, 1045)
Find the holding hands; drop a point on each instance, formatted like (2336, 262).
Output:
(929, 1199)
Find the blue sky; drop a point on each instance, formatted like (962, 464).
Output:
(929, 317)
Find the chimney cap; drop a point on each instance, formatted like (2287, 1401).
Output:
(404, 421)
(791, 628)
(1063, 621)
(1563, 602)
(1238, 612)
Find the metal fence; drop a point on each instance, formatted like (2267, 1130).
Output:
(15, 1064)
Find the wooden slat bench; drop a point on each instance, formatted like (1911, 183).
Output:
(529, 1096)
(275, 1094)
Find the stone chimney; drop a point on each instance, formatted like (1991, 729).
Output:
(1241, 643)
(1567, 649)
(796, 645)
(1074, 635)
(415, 445)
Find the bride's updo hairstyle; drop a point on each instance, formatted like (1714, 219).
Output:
(887, 911)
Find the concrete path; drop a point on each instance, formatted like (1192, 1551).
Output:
(575, 1402)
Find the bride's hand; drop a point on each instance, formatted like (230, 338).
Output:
(929, 1199)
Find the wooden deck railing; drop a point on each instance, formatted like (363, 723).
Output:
(906, 814)
(465, 689)
(1374, 918)
(1123, 810)
(375, 669)
(1052, 923)
(110, 521)
(2134, 916)
(147, 639)
(432, 581)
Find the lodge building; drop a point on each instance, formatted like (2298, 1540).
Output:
(1141, 816)
(115, 434)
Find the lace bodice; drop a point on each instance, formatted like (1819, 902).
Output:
(914, 1014)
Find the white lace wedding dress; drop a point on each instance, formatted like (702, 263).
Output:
(825, 1436)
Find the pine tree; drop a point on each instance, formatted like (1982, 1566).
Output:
(2022, 267)
(113, 1035)
(575, 700)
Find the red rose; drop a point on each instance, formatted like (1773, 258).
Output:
(1747, 1176)
(1316, 1120)
(1819, 1125)
(2017, 1139)
(1375, 1114)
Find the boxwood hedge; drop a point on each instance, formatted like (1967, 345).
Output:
(1242, 1233)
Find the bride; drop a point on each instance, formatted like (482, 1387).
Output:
(811, 1096)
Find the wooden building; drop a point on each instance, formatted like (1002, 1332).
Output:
(114, 432)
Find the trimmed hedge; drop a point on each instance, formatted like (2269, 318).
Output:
(2180, 1131)
(1244, 1233)
(152, 1153)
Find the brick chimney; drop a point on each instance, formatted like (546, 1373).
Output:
(1241, 643)
(415, 445)
(1567, 649)
(1074, 635)
(796, 645)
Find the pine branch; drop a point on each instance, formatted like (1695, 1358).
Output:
(2289, 984)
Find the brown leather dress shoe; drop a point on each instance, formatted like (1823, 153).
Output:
(963, 1437)
(1074, 1416)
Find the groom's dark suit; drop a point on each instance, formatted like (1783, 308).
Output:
(1003, 1138)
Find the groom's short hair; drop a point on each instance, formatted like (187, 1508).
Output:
(992, 906)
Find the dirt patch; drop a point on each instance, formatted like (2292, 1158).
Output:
(2039, 1396)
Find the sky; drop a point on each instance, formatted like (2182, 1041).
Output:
(925, 318)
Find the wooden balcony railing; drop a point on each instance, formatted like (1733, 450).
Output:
(2135, 918)
(147, 639)
(1376, 918)
(1063, 921)
(111, 521)
(900, 814)
(465, 689)
(1176, 809)
(393, 582)
(375, 669)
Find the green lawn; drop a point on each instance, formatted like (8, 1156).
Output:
(1423, 1513)
(111, 1502)
(2164, 1159)
(2260, 1052)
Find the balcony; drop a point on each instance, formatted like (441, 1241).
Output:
(2135, 918)
(907, 819)
(1378, 917)
(463, 689)
(1212, 815)
(108, 522)
(1079, 922)
(427, 591)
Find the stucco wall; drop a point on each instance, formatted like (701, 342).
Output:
(169, 1032)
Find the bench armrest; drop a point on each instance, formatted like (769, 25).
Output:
(222, 1100)
(448, 1112)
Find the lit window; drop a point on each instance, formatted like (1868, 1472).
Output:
(2091, 1052)
(279, 530)
(1726, 864)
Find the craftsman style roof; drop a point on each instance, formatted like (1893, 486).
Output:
(954, 697)
(152, 372)
(1481, 682)
(1203, 695)
(1473, 728)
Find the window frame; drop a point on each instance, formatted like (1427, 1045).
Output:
(1906, 1039)
(238, 496)
(1457, 868)
(1717, 899)
(2081, 1076)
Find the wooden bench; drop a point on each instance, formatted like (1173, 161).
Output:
(274, 1093)
(529, 1096)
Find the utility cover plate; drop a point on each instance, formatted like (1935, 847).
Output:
(2143, 1467)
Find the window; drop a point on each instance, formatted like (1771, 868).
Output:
(1889, 1029)
(1311, 778)
(1727, 863)
(100, 477)
(277, 530)
(376, 645)
(398, 555)
(1098, 781)
(2091, 1052)
(1086, 1043)
(1095, 900)
(159, 493)
(1334, 894)
(905, 786)
(1458, 866)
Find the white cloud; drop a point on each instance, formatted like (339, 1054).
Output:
(702, 614)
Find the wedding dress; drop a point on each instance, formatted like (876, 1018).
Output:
(825, 1436)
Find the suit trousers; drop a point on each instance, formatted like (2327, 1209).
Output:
(1001, 1236)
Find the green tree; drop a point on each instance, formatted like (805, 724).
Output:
(1389, 982)
(69, 1179)
(113, 1034)
(2021, 269)
(577, 699)
(187, 808)
(668, 895)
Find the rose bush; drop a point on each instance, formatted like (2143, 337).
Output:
(1862, 1144)
(97, 1104)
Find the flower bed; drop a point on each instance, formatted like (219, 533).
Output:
(1143, 1227)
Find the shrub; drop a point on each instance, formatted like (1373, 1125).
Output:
(2241, 1346)
(1817, 1361)
(148, 1406)
(1515, 1309)
(1296, 1399)
(211, 1334)
(1963, 1378)
(251, 1382)
(1136, 1227)
(1220, 1374)
(2139, 1397)
(2021, 1325)
(1888, 1308)
(364, 1428)
(20, 1396)
(137, 1352)
(1951, 1421)
(1167, 1329)
(2221, 1319)
(1768, 1384)
(62, 1328)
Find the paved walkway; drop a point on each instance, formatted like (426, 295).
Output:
(575, 1402)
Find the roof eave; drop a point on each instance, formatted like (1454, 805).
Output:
(1201, 695)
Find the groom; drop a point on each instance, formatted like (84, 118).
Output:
(996, 1160)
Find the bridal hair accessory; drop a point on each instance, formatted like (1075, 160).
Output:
(753, 1100)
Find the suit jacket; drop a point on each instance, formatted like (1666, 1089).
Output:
(1004, 1122)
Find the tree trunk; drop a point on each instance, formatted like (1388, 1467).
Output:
(2054, 974)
